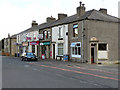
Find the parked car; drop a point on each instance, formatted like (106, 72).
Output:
(23, 55)
(29, 56)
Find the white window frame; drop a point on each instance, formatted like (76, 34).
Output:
(103, 51)
(74, 46)
(60, 48)
(60, 32)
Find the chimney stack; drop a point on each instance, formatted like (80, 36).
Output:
(81, 9)
(61, 16)
(8, 35)
(103, 10)
(50, 19)
(34, 23)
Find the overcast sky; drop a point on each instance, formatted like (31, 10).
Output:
(17, 15)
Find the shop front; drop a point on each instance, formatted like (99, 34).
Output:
(98, 51)
(45, 49)
(25, 47)
(34, 47)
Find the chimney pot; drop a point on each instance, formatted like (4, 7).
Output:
(83, 5)
(80, 3)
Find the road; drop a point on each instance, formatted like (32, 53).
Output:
(56, 74)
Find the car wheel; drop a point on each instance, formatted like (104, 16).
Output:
(22, 59)
(25, 59)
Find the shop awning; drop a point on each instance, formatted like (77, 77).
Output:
(73, 44)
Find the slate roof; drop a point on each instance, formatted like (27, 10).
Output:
(89, 15)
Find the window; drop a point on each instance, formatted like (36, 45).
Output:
(60, 32)
(76, 49)
(75, 30)
(60, 49)
(102, 47)
(49, 34)
(102, 51)
(46, 35)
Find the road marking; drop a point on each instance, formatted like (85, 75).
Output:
(26, 65)
(104, 77)
(35, 69)
(116, 73)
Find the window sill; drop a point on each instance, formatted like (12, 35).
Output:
(76, 56)
(60, 38)
(74, 37)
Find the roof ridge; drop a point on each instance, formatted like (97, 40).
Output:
(107, 14)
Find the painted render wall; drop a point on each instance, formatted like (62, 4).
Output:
(55, 36)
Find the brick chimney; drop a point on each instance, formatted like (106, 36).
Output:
(61, 16)
(103, 10)
(81, 9)
(34, 23)
(50, 19)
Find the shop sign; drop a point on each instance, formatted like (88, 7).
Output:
(76, 44)
(34, 43)
(28, 38)
(25, 44)
(46, 43)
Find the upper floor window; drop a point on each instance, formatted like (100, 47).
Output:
(49, 34)
(75, 30)
(60, 32)
(46, 35)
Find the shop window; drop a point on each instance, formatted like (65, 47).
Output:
(60, 49)
(33, 48)
(75, 30)
(102, 51)
(76, 49)
(102, 47)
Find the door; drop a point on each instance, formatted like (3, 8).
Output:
(92, 55)
(53, 51)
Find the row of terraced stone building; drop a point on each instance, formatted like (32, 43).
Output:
(87, 36)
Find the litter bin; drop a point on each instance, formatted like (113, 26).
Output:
(18, 55)
(15, 54)
(65, 57)
(43, 56)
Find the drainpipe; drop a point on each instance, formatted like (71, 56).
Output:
(82, 41)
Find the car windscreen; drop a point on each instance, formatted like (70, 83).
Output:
(30, 54)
